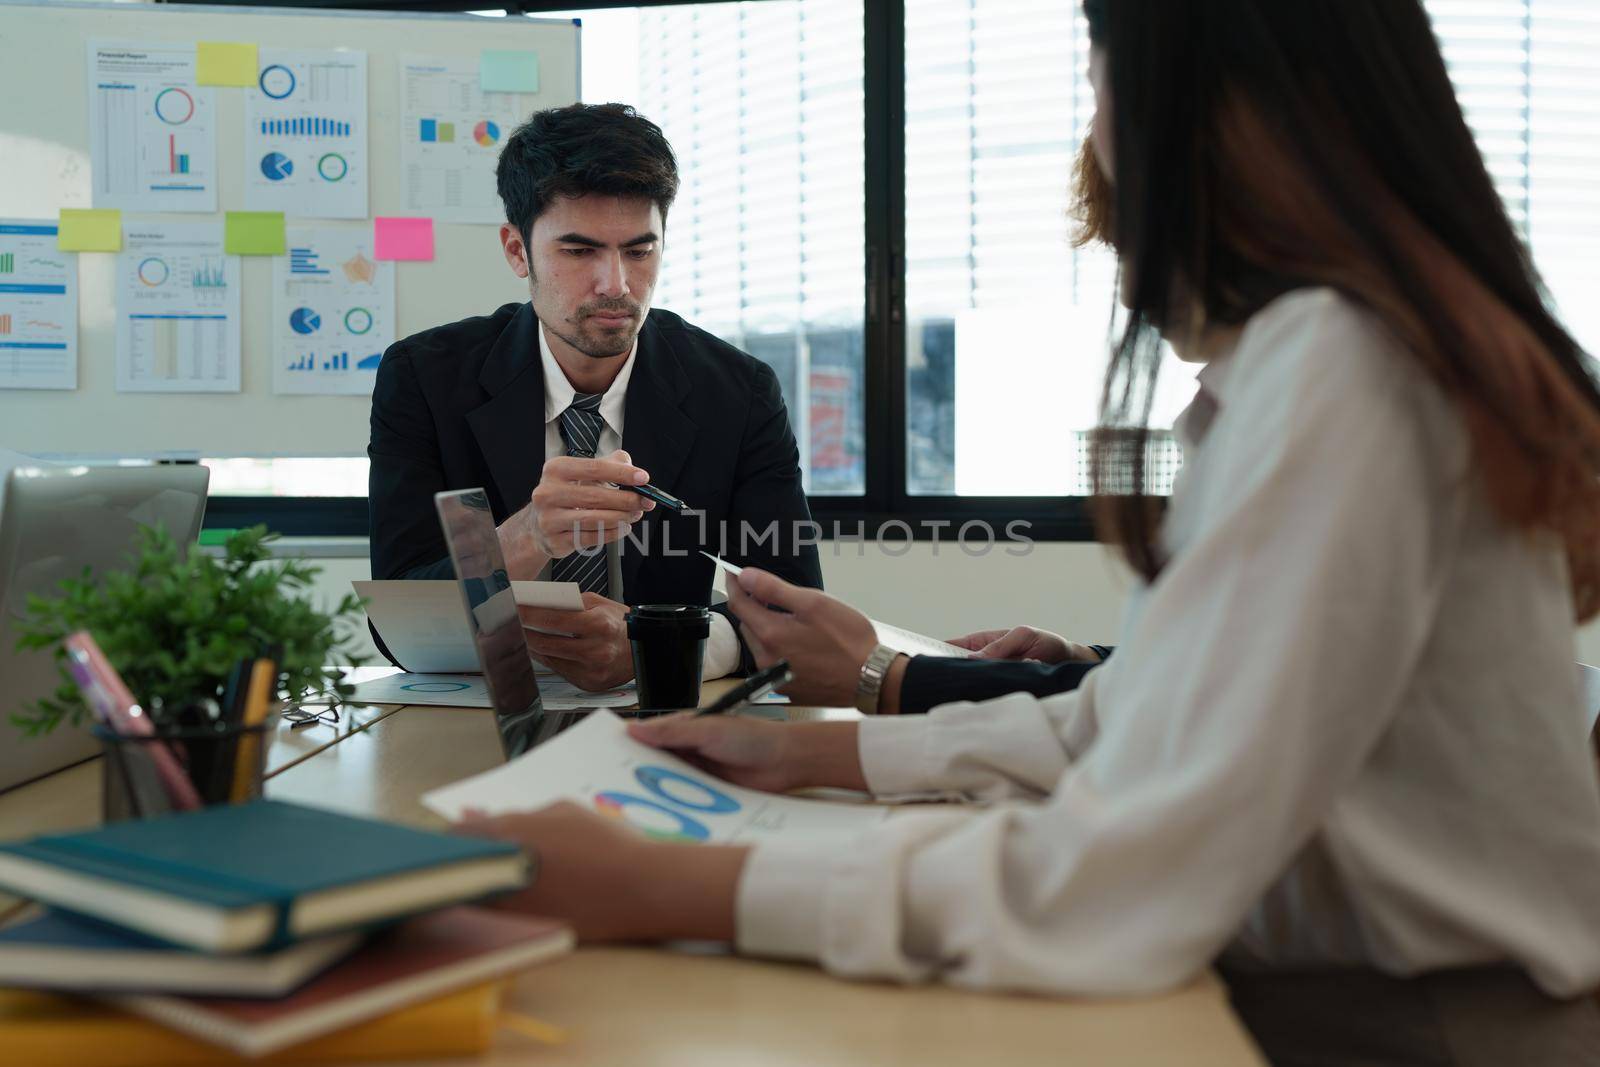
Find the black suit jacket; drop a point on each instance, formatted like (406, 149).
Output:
(462, 405)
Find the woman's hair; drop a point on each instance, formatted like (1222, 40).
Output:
(1261, 146)
(1094, 199)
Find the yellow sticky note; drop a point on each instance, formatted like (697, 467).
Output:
(89, 230)
(254, 233)
(225, 63)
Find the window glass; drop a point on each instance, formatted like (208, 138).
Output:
(1007, 322)
(763, 104)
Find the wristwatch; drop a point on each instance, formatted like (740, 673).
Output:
(871, 681)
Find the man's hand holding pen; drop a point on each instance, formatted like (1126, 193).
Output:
(577, 505)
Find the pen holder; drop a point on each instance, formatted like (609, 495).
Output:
(222, 765)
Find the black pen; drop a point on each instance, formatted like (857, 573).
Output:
(665, 499)
(751, 689)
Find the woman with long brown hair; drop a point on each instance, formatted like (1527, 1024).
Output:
(1340, 744)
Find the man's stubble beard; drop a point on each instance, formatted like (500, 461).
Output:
(594, 348)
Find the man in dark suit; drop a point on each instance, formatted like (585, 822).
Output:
(551, 404)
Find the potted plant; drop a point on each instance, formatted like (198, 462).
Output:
(174, 623)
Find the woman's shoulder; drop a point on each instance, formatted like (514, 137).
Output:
(1319, 348)
(1324, 333)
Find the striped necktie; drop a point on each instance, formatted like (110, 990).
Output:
(580, 429)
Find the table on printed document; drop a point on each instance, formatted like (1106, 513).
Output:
(647, 1006)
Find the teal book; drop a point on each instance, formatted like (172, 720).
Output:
(69, 953)
(257, 875)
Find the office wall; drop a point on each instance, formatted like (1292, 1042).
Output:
(45, 153)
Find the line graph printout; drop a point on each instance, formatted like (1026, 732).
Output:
(305, 134)
(177, 310)
(152, 130)
(332, 312)
(451, 133)
(38, 307)
(598, 765)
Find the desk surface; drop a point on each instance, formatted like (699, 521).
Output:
(654, 1006)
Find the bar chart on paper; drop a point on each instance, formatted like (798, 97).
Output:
(177, 311)
(38, 308)
(153, 141)
(333, 307)
(305, 139)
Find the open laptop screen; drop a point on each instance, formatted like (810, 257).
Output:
(492, 613)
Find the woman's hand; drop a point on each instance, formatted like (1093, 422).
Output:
(610, 882)
(770, 756)
(825, 640)
(1025, 642)
(584, 862)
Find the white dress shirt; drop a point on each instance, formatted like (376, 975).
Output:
(1343, 727)
(722, 645)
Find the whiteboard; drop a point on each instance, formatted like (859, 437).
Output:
(44, 166)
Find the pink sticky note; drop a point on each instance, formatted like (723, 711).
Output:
(401, 238)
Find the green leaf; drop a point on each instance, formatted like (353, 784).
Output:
(174, 623)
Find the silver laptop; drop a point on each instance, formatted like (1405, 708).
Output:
(53, 523)
(497, 636)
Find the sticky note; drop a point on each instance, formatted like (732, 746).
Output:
(89, 230)
(254, 233)
(508, 72)
(400, 238)
(225, 63)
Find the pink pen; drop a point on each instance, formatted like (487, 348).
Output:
(108, 697)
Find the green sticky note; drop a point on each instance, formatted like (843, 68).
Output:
(447, 132)
(225, 63)
(509, 72)
(254, 233)
(89, 230)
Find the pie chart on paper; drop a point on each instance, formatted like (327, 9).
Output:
(276, 166)
(304, 320)
(486, 133)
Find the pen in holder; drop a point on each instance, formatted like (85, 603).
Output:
(220, 763)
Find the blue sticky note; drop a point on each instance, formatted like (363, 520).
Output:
(509, 72)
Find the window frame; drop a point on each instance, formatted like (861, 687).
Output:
(885, 508)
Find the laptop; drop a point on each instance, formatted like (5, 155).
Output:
(496, 627)
(54, 522)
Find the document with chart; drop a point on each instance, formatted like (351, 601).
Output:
(152, 130)
(332, 312)
(38, 307)
(305, 134)
(450, 135)
(599, 766)
(177, 310)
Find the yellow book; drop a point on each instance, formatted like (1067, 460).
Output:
(42, 1030)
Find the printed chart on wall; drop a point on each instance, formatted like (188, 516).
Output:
(177, 310)
(450, 138)
(38, 308)
(152, 130)
(333, 312)
(305, 134)
(598, 765)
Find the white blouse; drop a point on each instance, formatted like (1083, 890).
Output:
(1343, 726)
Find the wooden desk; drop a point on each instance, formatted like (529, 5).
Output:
(632, 1007)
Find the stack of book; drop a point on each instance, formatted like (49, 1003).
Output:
(263, 930)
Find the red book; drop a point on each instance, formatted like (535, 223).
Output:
(416, 961)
